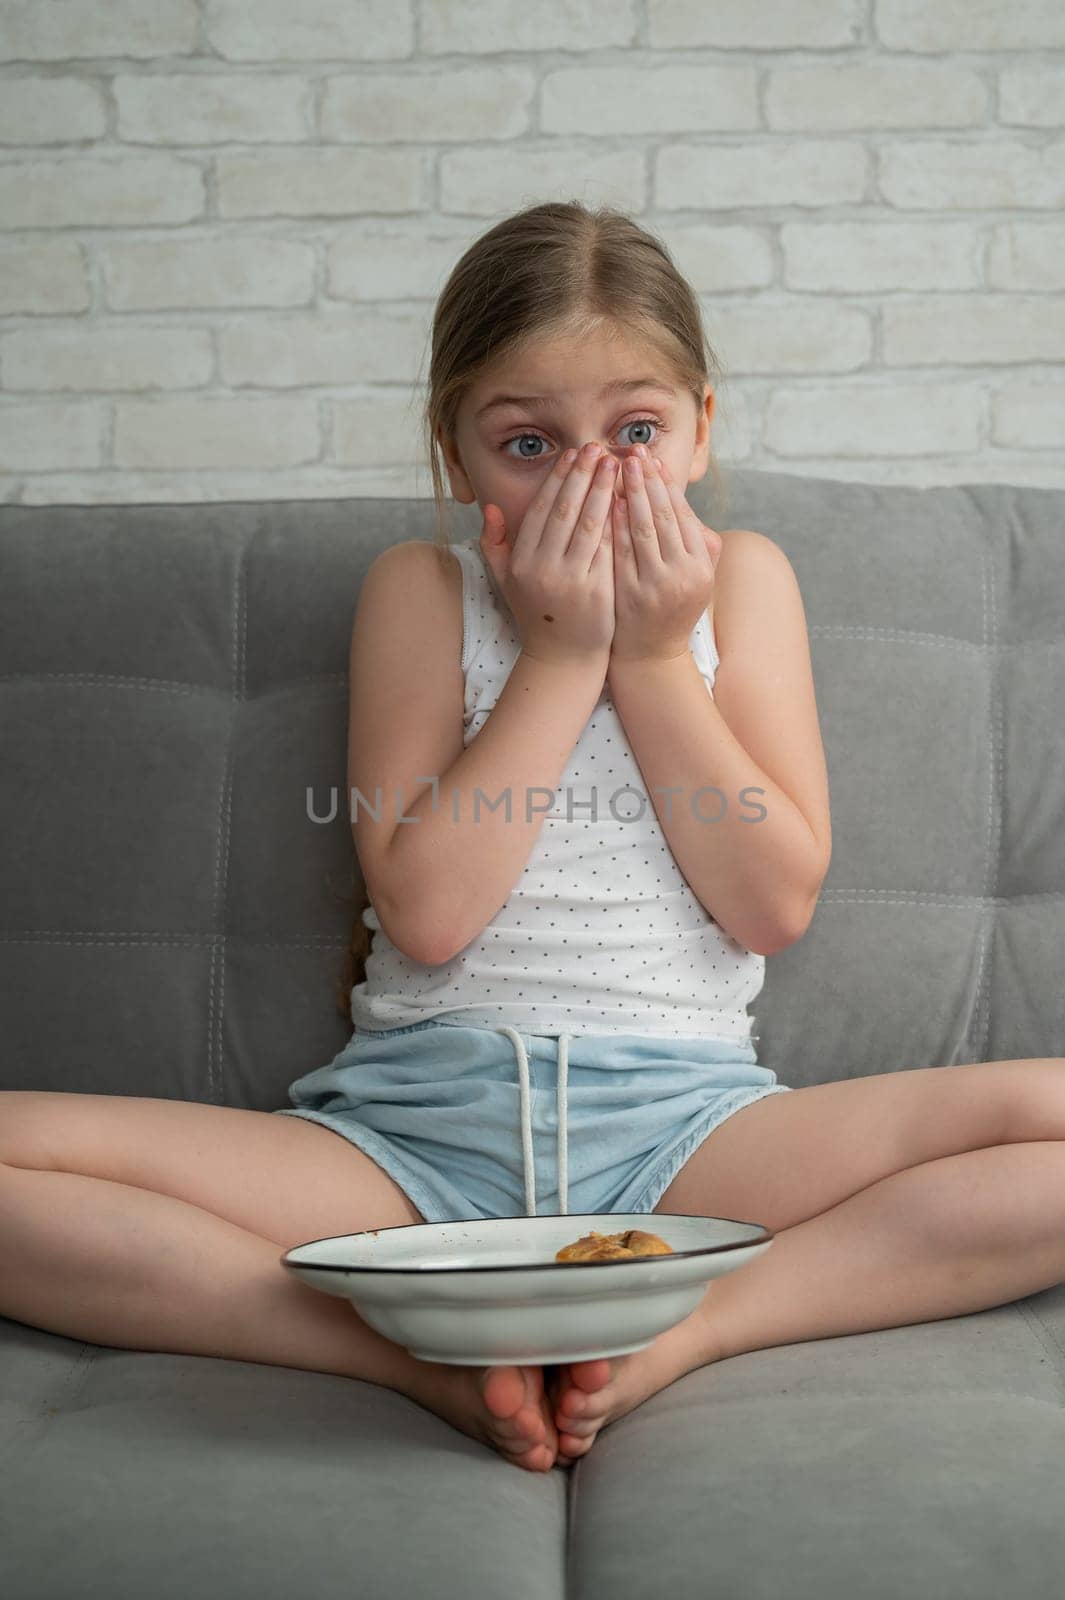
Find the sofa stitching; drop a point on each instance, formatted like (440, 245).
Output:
(973, 1029)
(215, 1014)
(995, 803)
(941, 897)
(1046, 1337)
(859, 630)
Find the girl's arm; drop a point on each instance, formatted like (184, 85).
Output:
(456, 874)
(758, 869)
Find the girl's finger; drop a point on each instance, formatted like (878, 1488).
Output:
(643, 533)
(595, 509)
(558, 528)
(691, 527)
(623, 540)
(529, 535)
(672, 540)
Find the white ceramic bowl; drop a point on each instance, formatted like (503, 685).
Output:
(482, 1293)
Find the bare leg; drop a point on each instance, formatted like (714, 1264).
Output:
(126, 1267)
(942, 1239)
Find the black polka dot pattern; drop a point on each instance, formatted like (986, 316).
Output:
(602, 932)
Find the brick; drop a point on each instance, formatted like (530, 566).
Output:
(184, 273)
(738, 25)
(213, 108)
(1032, 97)
(78, 30)
(471, 27)
(204, 431)
(382, 429)
(639, 99)
(1029, 416)
(873, 419)
(867, 257)
(973, 329)
(1027, 255)
(49, 277)
(972, 174)
(942, 25)
(475, 103)
(797, 337)
(56, 436)
(315, 30)
(762, 172)
(875, 94)
(106, 358)
(51, 111)
(323, 182)
(91, 193)
(339, 349)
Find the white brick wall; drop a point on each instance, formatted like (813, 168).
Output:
(224, 223)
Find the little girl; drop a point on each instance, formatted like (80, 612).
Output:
(554, 1013)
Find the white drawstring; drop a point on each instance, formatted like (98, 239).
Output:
(562, 1093)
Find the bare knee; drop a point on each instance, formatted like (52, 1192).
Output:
(24, 1120)
(1035, 1092)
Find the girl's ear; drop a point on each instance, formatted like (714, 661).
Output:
(459, 483)
(494, 523)
(494, 528)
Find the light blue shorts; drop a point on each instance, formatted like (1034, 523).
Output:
(439, 1107)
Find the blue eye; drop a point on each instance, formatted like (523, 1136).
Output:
(529, 433)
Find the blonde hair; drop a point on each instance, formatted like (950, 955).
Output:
(554, 270)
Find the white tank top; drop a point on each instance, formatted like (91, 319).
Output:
(601, 933)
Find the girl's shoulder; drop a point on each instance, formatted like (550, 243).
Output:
(414, 577)
(444, 567)
(743, 550)
(714, 609)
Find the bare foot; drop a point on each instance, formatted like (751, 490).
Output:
(504, 1407)
(577, 1419)
(584, 1396)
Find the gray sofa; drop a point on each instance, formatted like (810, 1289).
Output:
(173, 680)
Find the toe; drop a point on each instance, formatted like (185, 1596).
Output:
(592, 1375)
(534, 1411)
(527, 1428)
(537, 1459)
(580, 1391)
(505, 1391)
(521, 1418)
(520, 1425)
(579, 1427)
